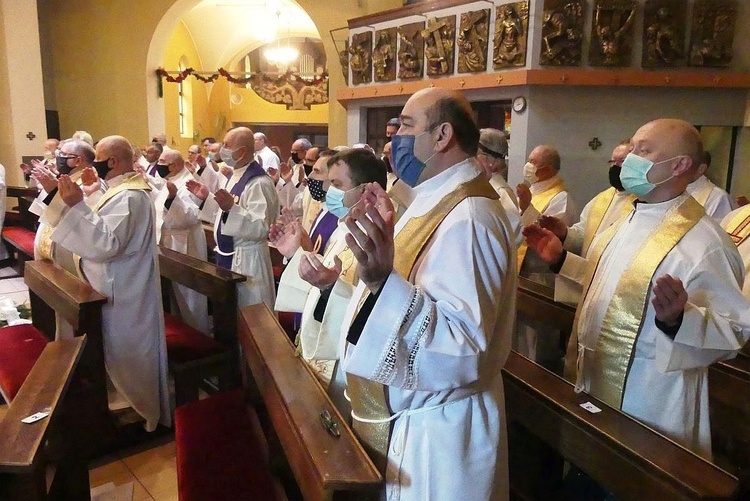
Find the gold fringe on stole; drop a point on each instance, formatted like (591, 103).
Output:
(540, 201)
(625, 312)
(598, 210)
(739, 226)
(368, 398)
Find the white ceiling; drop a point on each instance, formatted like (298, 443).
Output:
(224, 30)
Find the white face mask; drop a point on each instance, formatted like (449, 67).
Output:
(227, 156)
(529, 173)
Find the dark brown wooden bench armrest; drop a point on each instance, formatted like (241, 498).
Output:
(206, 278)
(537, 301)
(322, 464)
(45, 387)
(21, 191)
(63, 292)
(624, 456)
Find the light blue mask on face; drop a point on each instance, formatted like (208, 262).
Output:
(335, 201)
(634, 174)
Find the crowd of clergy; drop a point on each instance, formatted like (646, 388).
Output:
(401, 272)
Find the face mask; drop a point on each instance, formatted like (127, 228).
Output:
(316, 189)
(406, 164)
(295, 157)
(162, 170)
(308, 169)
(214, 156)
(614, 177)
(62, 165)
(634, 174)
(335, 201)
(227, 156)
(529, 173)
(102, 168)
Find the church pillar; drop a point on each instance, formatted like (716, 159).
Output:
(21, 87)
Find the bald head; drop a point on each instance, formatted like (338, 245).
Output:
(117, 152)
(443, 123)
(174, 160)
(676, 148)
(241, 141)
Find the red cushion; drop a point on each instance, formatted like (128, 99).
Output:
(184, 343)
(20, 236)
(218, 455)
(20, 347)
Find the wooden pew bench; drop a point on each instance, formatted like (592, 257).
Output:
(27, 450)
(19, 229)
(194, 356)
(729, 382)
(221, 452)
(324, 466)
(622, 455)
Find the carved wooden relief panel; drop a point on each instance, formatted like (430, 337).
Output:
(361, 58)
(511, 33)
(384, 55)
(612, 33)
(411, 51)
(712, 33)
(440, 41)
(562, 33)
(473, 40)
(663, 33)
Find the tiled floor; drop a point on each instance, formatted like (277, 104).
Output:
(151, 468)
(152, 471)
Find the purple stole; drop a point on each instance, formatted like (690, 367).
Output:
(323, 231)
(225, 243)
(152, 170)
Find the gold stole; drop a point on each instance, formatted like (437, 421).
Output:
(739, 226)
(540, 201)
(626, 309)
(368, 398)
(701, 196)
(598, 210)
(134, 182)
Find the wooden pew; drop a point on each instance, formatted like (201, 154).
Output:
(729, 382)
(624, 456)
(26, 450)
(220, 286)
(324, 466)
(25, 198)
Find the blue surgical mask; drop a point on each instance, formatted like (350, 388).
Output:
(407, 166)
(634, 174)
(335, 201)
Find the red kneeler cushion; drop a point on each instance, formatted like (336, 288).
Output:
(21, 236)
(184, 343)
(219, 456)
(20, 348)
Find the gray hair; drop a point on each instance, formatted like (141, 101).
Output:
(82, 149)
(84, 136)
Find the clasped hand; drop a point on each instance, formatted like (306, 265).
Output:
(370, 237)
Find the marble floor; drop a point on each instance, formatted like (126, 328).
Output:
(151, 468)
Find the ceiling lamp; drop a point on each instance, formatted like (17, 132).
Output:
(281, 56)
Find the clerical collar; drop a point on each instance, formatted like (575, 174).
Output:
(447, 179)
(540, 186)
(641, 205)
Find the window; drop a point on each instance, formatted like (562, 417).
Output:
(185, 103)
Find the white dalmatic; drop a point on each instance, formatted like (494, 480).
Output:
(438, 341)
(118, 258)
(180, 228)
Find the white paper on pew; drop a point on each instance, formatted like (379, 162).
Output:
(293, 291)
(591, 407)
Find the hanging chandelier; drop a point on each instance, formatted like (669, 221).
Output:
(281, 56)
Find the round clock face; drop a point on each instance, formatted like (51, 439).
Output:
(519, 104)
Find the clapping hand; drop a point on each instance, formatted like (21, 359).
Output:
(171, 190)
(312, 271)
(373, 248)
(197, 188)
(524, 197)
(670, 298)
(544, 243)
(44, 177)
(69, 191)
(555, 225)
(224, 199)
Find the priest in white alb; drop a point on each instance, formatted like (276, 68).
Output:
(661, 293)
(429, 327)
(116, 243)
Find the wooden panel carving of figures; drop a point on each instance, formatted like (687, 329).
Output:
(712, 33)
(663, 33)
(612, 33)
(511, 30)
(361, 58)
(472, 41)
(411, 51)
(439, 51)
(562, 33)
(344, 61)
(384, 55)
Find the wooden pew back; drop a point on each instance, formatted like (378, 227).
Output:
(624, 456)
(323, 465)
(23, 455)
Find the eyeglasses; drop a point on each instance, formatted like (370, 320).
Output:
(67, 156)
